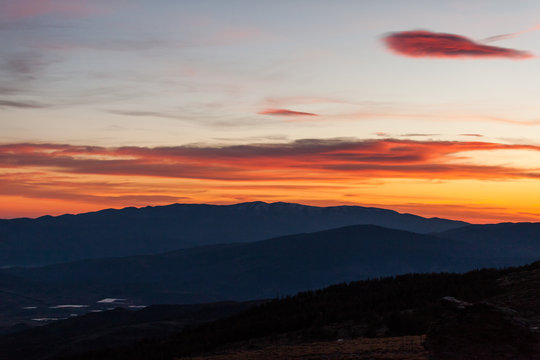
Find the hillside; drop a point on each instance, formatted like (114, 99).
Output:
(151, 230)
(521, 239)
(365, 308)
(397, 306)
(493, 303)
(264, 269)
(112, 328)
(242, 271)
(498, 320)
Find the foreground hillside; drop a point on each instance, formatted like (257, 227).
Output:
(497, 317)
(484, 314)
(111, 329)
(395, 348)
(403, 305)
(151, 230)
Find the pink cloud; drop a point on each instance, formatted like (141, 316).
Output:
(422, 43)
(512, 35)
(285, 112)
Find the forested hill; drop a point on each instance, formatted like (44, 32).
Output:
(395, 306)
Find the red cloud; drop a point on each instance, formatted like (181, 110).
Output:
(285, 112)
(308, 159)
(429, 44)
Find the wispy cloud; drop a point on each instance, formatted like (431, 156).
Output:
(388, 135)
(418, 135)
(111, 44)
(21, 104)
(421, 43)
(41, 185)
(472, 135)
(296, 100)
(511, 35)
(441, 114)
(24, 65)
(22, 9)
(143, 113)
(285, 112)
(471, 212)
(265, 138)
(25, 186)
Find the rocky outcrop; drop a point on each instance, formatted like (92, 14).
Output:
(468, 331)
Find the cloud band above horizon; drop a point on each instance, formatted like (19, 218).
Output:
(332, 158)
(325, 171)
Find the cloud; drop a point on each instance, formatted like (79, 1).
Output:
(392, 111)
(21, 66)
(186, 114)
(143, 114)
(512, 35)
(5, 90)
(470, 212)
(22, 9)
(472, 135)
(21, 104)
(419, 135)
(388, 135)
(43, 187)
(285, 112)
(421, 43)
(307, 159)
(111, 44)
(39, 178)
(55, 192)
(295, 100)
(266, 138)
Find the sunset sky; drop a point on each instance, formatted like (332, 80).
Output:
(427, 107)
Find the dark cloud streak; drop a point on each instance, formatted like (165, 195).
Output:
(143, 114)
(472, 135)
(21, 104)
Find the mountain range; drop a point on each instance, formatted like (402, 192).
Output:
(152, 230)
(53, 268)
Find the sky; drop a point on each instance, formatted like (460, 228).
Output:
(426, 107)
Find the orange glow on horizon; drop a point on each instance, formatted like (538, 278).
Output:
(457, 180)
